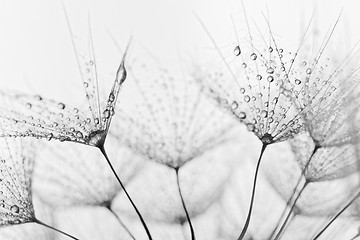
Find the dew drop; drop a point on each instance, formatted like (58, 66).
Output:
(79, 134)
(237, 50)
(253, 56)
(308, 71)
(49, 136)
(242, 90)
(247, 98)
(297, 81)
(107, 113)
(264, 114)
(28, 105)
(271, 49)
(270, 70)
(14, 209)
(61, 105)
(234, 105)
(242, 115)
(270, 78)
(259, 77)
(111, 97)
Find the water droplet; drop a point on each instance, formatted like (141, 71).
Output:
(304, 63)
(79, 134)
(264, 114)
(242, 90)
(14, 209)
(308, 71)
(242, 115)
(96, 120)
(86, 84)
(87, 70)
(234, 105)
(270, 78)
(38, 97)
(253, 56)
(259, 77)
(61, 105)
(49, 136)
(271, 49)
(106, 113)
(297, 81)
(111, 97)
(91, 62)
(237, 51)
(28, 105)
(247, 98)
(270, 70)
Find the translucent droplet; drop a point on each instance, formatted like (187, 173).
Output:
(259, 77)
(247, 98)
(234, 105)
(237, 51)
(304, 63)
(86, 84)
(96, 120)
(264, 114)
(297, 81)
(244, 65)
(106, 113)
(111, 97)
(242, 90)
(49, 136)
(270, 78)
(270, 70)
(242, 115)
(61, 105)
(253, 56)
(271, 49)
(79, 134)
(28, 105)
(308, 71)
(14, 209)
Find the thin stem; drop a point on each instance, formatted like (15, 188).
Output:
(288, 203)
(290, 212)
(102, 149)
(292, 196)
(53, 228)
(121, 222)
(337, 215)
(243, 232)
(184, 206)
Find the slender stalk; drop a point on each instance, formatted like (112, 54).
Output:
(102, 149)
(317, 147)
(243, 232)
(55, 229)
(282, 228)
(337, 215)
(121, 222)
(184, 206)
(288, 203)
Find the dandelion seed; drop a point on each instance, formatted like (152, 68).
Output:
(170, 121)
(47, 117)
(16, 167)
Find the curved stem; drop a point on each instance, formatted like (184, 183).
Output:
(102, 149)
(288, 203)
(55, 229)
(121, 222)
(282, 228)
(243, 232)
(184, 206)
(337, 215)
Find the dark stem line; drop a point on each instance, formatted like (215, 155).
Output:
(293, 194)
(337, 215)
(102, 149)
(243, 232)
(121, 222)
(184, 206)
(288, 203)
(285, 223)
(55, 229)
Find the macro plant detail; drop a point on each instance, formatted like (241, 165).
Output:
(187, 130)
